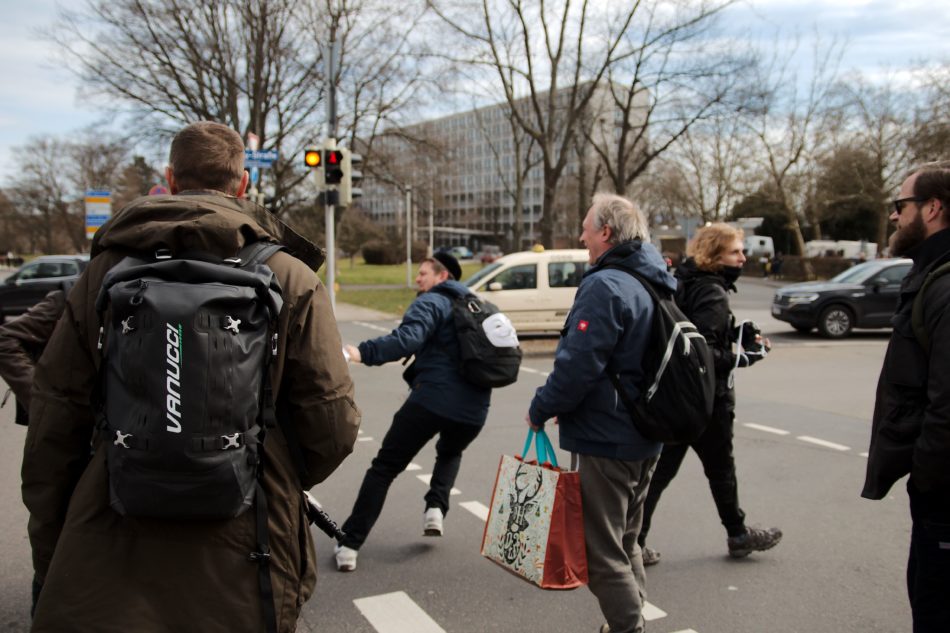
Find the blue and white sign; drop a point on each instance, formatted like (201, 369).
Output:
(262, 158)
(98, 210)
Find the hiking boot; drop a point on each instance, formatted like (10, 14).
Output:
(650, 556)
(754, 540)
(345, 558)
(432, 522)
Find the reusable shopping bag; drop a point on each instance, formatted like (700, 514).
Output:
(535, 526)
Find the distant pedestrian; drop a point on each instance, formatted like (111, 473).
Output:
(777, 263)
(99, 570)
(910, 433)
(441, 404)
(705, 279)
(607, 330)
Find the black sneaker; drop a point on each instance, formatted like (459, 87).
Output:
(650, 556)
(754, 540)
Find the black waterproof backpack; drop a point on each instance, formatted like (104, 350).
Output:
(917, 309)
(675, 400)
(184, 389)
(489, 355)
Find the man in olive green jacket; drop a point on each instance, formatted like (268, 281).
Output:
(104, 572)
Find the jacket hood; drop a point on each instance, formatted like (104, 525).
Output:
(452, 288)
(199, 221)
(639, 257)
(688, 272)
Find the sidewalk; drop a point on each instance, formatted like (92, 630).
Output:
(350, 312)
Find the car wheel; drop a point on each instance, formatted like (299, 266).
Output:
(835, 322)
(804, 329)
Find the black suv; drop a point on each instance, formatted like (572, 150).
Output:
(863, 296)
(30, 283)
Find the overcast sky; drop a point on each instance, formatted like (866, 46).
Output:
(37, 98)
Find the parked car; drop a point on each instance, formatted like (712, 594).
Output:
(534, 288)
(489, 254)
(30, 283)
(461, 252)
(864, 296)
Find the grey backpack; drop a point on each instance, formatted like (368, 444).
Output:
(184, 390)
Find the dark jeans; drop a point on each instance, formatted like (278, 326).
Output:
(714, 448)
(412, 428)
(928, 567)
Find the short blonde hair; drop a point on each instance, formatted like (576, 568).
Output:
(710, 242)
(620, 214)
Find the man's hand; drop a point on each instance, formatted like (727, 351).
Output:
(537, 427)
(352, 353)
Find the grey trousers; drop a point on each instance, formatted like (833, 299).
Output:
(613, 493)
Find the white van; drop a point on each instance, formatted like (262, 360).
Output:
(758, 246)
(535, 289)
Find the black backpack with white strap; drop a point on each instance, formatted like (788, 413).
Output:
(675, 398)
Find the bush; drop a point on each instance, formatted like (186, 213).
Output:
(381, 253)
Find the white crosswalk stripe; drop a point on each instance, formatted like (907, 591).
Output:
(825, 443)
(478, 509)
(396, 613)
(652, 612)
(767, 429)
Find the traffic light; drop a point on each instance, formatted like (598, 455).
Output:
(333, 166)
(352, 178)
(313, 159)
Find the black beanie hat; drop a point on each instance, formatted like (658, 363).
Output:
(451, 264)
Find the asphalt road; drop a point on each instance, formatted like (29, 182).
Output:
(803, 423)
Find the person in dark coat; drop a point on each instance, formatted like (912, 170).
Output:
(100, 571)
(608, 330)
(441, 403)
(705, 279)
(910, 432)
(22, 341)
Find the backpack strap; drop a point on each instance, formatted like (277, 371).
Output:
(257, 253)
(917, 313)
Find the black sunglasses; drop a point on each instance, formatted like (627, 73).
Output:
(900, 202)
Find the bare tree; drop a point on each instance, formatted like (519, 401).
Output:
(548, 59)
(880, 126)
(793, 129)
(671, 76)
(931, 138)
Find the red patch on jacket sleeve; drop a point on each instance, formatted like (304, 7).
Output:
(582, 326)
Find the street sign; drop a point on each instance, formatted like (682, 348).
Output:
(98, 210)
(262, 158)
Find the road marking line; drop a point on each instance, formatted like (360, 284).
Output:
(396, 613)
(412, 466)
(531, 370)
(863, 454)
(767, 429)
(427, 478)
(365, 438)
(825, 443)
(685, 631)
(372, 326)
(652, 612)
(478, 509)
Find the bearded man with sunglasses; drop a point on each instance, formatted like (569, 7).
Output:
(911, 425)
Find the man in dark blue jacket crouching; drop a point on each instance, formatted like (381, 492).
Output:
(441, 403)
(608, 329)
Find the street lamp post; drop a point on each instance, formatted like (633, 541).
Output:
(408, 236)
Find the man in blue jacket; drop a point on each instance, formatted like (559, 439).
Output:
(441, 403)
(608, 329)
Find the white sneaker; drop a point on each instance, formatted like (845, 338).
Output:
(432, 522)
(345, 558)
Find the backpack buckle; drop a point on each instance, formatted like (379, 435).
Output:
(474, 307)
(231, 441)
(163, 253)
(120, 438)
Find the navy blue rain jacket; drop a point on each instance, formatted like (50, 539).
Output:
(428, 331)
(608, 329)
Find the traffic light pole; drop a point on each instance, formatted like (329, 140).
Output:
(329, 221)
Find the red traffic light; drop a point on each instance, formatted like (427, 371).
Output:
(334, 157)
(334, 166)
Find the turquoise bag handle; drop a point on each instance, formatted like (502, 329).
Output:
(542, 445)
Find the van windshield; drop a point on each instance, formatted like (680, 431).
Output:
(474, 280)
